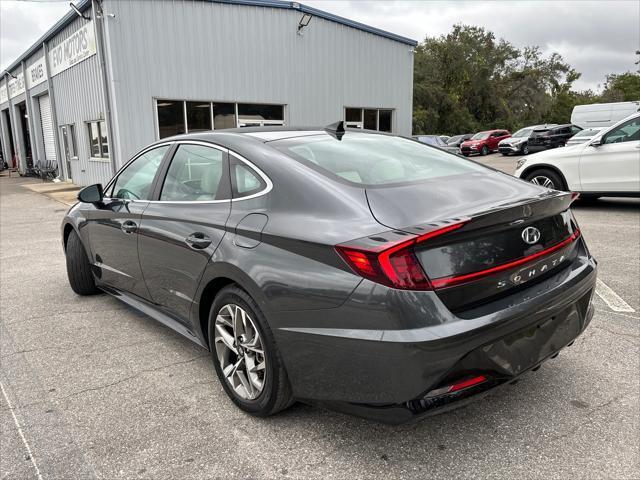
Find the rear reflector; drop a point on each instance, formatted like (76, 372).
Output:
(458, 386)
(394, 263)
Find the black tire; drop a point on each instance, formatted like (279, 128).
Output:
(465, 154)
(524, 149)
(276, 394)
(505, 154)
(78, 267)
(538, 176)
(484, 151)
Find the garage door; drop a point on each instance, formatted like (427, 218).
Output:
(47, 128)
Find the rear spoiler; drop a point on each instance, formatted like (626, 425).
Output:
(548, 204)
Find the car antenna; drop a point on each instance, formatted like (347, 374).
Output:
(336, 130)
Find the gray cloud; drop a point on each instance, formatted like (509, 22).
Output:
(595, 37)
(23, 23)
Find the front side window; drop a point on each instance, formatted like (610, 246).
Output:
(135, 181)
(629, 131)
(370, 159)
(98, 141)
(195, 174)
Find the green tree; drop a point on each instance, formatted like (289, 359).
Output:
(624, 87)
(468, 80)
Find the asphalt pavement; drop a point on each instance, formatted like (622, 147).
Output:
(93, 389)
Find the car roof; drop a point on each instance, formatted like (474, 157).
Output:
(234, 137)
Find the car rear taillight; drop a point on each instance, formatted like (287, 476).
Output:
(393, 263)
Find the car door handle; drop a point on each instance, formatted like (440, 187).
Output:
(198, 240)
(129, 227)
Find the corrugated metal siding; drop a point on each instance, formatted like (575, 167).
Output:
(208, 51)
(79, 99)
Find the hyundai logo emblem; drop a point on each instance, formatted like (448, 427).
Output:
(530, 235)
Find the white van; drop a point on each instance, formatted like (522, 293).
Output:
(602, 114)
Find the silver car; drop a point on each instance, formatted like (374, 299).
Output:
(583, 136)
(518, 143)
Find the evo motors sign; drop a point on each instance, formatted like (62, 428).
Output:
(78, 47)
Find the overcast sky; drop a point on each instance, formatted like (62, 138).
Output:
(595, 37)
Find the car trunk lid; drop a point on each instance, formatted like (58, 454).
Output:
(514, 233)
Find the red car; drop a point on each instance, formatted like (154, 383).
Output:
(484, 142)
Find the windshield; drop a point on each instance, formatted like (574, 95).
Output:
(454, 139)
(523, 132)
(481, 136)
(370, 159)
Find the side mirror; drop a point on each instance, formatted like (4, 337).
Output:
(596, 143)
(91, 194)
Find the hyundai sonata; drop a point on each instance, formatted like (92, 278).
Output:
(365, 272)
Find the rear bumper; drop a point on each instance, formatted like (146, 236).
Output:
(385, 373)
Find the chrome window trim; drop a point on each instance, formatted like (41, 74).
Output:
(264, 177)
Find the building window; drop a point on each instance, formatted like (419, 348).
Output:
(198, 116)
(170, 118)
(384, 120)
(368, 118)
(98, 141)
(224, 115)
(258, 115)
(181, 116)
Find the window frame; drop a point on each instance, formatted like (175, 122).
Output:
(102, 157)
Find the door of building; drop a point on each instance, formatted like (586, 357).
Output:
(26, 138)
(68, 146)
(47, 127)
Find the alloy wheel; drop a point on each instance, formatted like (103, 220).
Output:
(543, 181)
(240, 351)
(525, 150)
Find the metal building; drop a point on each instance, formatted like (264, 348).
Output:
(115, 75)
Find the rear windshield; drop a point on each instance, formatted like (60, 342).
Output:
(370, 159)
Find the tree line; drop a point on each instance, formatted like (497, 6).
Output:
(468, 80)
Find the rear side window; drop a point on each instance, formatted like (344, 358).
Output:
(195, 174)
(370, 159)
(245, 180)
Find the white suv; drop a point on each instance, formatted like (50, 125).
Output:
(607, 165)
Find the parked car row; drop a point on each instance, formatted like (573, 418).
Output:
(605, 163)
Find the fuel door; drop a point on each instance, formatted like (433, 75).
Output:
(249, 230)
